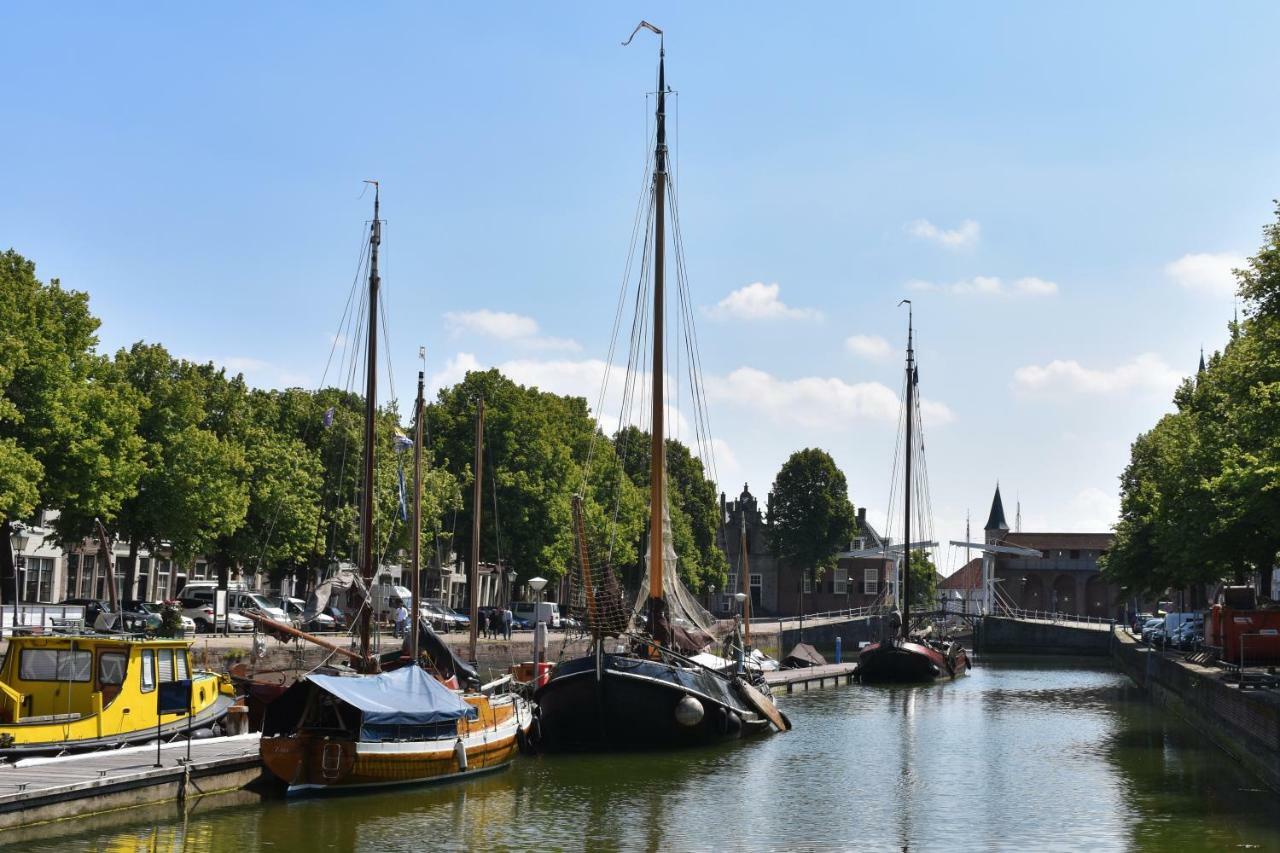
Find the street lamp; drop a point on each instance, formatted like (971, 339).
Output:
(511, 585)
(18, 539)
(711, 598)
(537, 584)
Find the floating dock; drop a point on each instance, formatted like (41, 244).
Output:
(40, 790)
(809, 676)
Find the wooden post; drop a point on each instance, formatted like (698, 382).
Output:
(474, 581)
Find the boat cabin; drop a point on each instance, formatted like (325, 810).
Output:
(54, 679)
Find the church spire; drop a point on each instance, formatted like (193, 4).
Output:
(995, 522)
(1201, 370)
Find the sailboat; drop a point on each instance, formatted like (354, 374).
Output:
(641, 688)
(903, 655)
(369, 728)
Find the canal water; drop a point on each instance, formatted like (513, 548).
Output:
(1019, 755)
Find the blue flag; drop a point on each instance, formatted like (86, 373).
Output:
(328, 417)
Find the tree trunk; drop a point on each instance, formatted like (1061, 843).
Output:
(6, 563)
(131, 573)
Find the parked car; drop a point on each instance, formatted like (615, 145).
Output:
(237, 600)
(157, 611)
(461, 619)
(1150, 626)
(95, 609)
(340, 620)
(444, 619)
(201, 612)
(295, 607)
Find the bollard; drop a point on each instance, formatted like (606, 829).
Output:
(838, 649)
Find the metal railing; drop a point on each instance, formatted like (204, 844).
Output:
(1051, 616)
(788, 622)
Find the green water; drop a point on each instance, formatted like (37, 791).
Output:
(1018, 756)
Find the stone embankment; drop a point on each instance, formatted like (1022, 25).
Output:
(1245, 723)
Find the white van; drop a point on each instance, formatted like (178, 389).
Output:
(533, 613)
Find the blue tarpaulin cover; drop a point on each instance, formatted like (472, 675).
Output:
(407, 696)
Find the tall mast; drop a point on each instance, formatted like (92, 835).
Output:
(367, 568)
(746, 584)
(657, 446)
(473, 582)
(416, 566)
(906, 503)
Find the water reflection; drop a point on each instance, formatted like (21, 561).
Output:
(1016, 756)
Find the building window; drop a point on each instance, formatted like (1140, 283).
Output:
(1075, 553)
(87, 568)
(808, 583)
(757, 581)
(732, 586)
(37, 579)
(162, 579)
(870, 581)
(841, 581)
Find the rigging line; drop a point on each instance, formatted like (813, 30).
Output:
(617, 317)
(493, 488)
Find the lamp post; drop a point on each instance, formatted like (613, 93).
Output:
(539, 628)
(18, 539)
(511, 585)
(711, 598)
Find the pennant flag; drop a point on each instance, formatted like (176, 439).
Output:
(404, 502)
(403, 442)
(328, 417)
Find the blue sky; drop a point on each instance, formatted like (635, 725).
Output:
(1059, 190)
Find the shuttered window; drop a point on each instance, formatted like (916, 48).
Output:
(165, 657)
(180, 658)
(55, 665)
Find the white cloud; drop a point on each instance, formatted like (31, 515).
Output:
(759, 301)
(1206, 272)
(957, 238)
(505, 326)
(815, 401)
(1033, 286)
(1094, 510)
(868, 346)
(1145, 373)
(259, 373)
(453, 372)
(989, 285)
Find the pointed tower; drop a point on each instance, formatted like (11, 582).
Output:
(996, 527)
(1201, 370)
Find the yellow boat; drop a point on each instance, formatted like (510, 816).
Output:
(85, 692)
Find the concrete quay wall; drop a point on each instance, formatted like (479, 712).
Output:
(996, 635)
(852, 633)
(1244, 723)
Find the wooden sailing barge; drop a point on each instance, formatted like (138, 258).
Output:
(347, 730)
(904, 657)
(642, 688)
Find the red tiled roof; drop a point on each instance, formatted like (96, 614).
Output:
(968, 576)
(1091, 541)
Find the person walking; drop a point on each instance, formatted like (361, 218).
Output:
(507, 619)
(402, 618)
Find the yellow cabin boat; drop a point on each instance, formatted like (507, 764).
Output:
(85, 692)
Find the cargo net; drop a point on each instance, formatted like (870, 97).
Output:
(694, 627)
(596, 596)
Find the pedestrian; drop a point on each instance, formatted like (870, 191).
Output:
(493, 623)
(507, 619)
(402, 617)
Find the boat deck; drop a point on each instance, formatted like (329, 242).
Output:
(35, 790)
(805, 677)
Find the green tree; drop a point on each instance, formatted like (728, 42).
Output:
(924, 581)
(1259, 280)
(67, 422)
(692, 502)
(810, 514)
(194, 488)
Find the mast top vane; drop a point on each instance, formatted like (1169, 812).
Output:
(645, 25)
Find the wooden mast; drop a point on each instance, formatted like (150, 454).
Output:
(906, 502)
(473, 583)
(657, 445)
(746, 583)
(415, 569)
(367, 567)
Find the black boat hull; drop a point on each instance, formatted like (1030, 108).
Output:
(628, 702)
(908, 663)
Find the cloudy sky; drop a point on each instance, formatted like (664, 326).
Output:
(1061, 192)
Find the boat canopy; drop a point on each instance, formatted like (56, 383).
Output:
(408, 696)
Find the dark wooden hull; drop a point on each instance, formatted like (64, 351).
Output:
(624, 702)
(909, 663)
